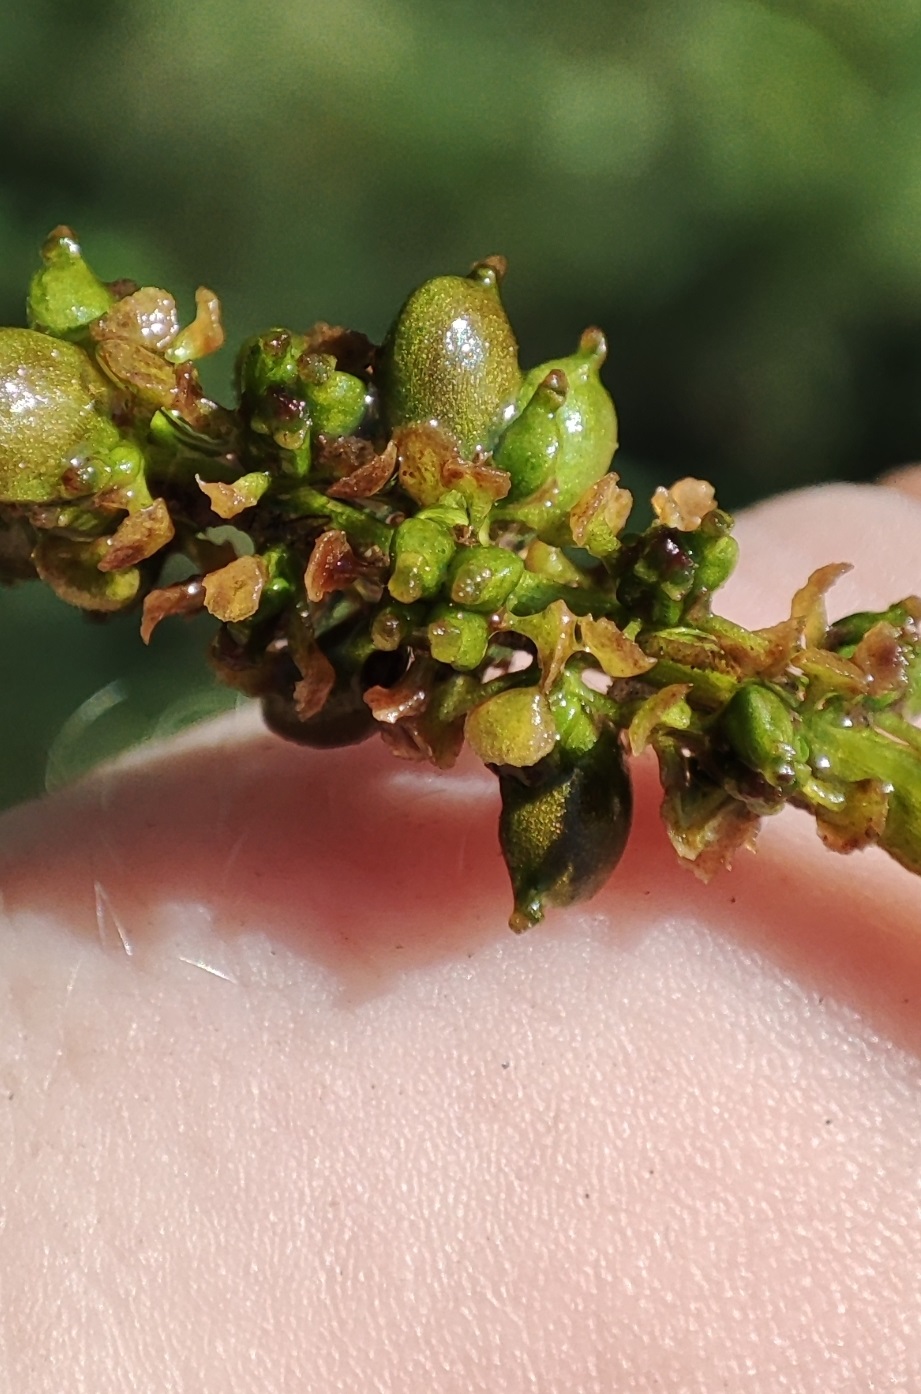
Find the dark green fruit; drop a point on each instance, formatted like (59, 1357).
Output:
(564, 826)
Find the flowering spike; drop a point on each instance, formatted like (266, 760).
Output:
(421, 542)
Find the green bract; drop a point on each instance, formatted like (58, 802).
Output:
(65, 296)
(418, 540)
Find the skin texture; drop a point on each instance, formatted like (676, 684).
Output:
(285, 1107)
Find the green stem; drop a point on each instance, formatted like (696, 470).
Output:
(360, 527)
(861, 752)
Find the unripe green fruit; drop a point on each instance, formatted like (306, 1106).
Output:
(569, 441)
(52, 414)
(451, 358)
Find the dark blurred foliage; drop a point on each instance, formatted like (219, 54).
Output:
(731, 188)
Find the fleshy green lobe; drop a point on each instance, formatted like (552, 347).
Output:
(51, 401)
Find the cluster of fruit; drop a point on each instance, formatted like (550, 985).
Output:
(420, 539)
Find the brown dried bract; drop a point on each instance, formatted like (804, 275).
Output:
(313, 689)
(881, 656)
(604, 507)
(232, 594)
(204, 335)
(139, 369)
(409, 696)
(480, 484)
(147, 317)
(860, 822)
(185, 598)
(138, 537)
(333, 566)
(417, 738)
(808, 605)
(618, 656)
(709, 845)
(367, 477)
(423, 452)
(353, 352)
(228, 500)
(667, 708)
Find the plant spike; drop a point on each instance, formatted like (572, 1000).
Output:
(428, 543)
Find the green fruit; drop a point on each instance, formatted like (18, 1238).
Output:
(451, 358)
(566, 445)
(564, 826)
(52, 415)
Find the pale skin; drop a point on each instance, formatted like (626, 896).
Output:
(285, 1107)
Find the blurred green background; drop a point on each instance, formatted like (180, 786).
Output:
(731, 188)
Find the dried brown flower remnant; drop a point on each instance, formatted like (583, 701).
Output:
(368, 477)
(685, 505)
(333, 566)
(184, 598)
(233, 593)
(601, 514)
(146, 317)
(227, 500)
(138, 537)
(808, 605)
(423, 452)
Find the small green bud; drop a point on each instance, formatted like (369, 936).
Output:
(423, 547)
(336, 401)
(293, 395)
(760, 728)
(53, 418)
(482, 578)
(391, 627)
(564, 826)
(65, 295)
(513, 728)
(451, 359)
(458, 637)
(715, 551)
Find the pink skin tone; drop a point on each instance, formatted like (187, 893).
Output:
(285, 1107)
